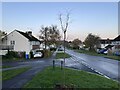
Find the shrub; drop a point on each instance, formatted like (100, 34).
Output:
(52, 49)
(21, 54)
(31, 54)
(12, 54)
(47, 53)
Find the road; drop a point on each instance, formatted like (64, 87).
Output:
(104, 66)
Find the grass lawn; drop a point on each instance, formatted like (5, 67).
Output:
(8, 74)
(96, 54)
(113, 57)
(73, 78)
(61, 55)
(6, 66)
(89, 53)
(12, 59)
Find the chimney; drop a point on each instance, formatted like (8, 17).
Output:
(29, 33)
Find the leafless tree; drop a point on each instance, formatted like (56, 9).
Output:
(50, 35)
(64, 26)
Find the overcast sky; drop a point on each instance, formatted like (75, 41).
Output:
(86, 17)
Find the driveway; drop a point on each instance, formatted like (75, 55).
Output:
(104, 66)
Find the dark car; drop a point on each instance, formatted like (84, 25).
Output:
(117, 53)
(102, 51)
(60, 49)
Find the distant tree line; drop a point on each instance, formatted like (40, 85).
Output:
(91, 41)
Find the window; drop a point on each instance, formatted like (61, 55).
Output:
(12, 42)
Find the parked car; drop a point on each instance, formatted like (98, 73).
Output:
(117, 53)
(103, 51)
(60, 49)
(38, 54)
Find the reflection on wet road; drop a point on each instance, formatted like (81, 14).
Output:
(107, 67)
(95, 64)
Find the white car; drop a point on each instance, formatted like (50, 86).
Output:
(38, 54)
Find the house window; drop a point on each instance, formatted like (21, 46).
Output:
(12, 42)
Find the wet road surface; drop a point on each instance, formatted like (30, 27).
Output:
(103, 66)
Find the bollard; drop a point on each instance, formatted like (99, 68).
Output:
(61, 65)
(53, 64)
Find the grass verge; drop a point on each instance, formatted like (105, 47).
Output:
(73, 78)
(61, 55)
(113, 57)
(12, 59)
(96, 54)
(6, 66)
(8, 74)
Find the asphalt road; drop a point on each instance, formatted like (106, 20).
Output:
(104, 66)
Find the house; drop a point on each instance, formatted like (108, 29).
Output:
(21, 41)
(116, 43)
(105, 42)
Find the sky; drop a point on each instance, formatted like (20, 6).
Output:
(99, 18)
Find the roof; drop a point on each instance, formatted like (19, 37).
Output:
(106, 41)
(31, 38)
(117, 38)
(109, 46)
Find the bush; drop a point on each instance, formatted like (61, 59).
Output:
(12, 54)
(47, 53)
(76, 47)
(53, 49)
(21, 54)
(31, 54)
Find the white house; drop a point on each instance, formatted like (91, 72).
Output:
(113, 45)
(105, 42)
(21, 41)
(116, 43)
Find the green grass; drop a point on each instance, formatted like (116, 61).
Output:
(77, 79)
(9, 74)
(61, 55)
(12, 59)
(89, 52)
(113, 57)
(6, 66)
(96, 54)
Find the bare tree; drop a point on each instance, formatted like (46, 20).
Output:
(64, 26)
(54, 35)
(50, 35)
(44, 34)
